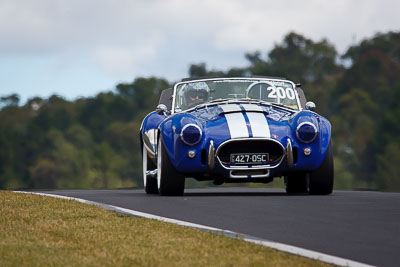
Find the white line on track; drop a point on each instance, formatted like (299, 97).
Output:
(275, 245)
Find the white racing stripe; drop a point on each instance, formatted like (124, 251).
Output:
(236, 122)
(275, 245)
(259, 125)
(258, 122)
(237, 125)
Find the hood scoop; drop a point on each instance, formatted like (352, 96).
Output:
(232, 108)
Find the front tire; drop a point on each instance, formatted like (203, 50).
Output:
(149, 183)
(296, 183)
(321, 180)
(169, 181)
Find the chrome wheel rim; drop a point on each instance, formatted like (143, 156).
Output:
(144, 160)
(159, 164)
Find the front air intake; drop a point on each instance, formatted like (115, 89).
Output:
(274, 149)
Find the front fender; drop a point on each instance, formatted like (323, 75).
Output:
(319, 146)
(148, 132)
(177, 151)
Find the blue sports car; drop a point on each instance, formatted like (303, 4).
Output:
(236, 130)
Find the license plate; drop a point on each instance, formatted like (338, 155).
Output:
(249, 158)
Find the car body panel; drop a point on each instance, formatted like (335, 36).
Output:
(236, 120)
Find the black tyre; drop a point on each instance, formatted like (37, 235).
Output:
(321, 180)
(170, 182)
(149, 183)
(296, 183)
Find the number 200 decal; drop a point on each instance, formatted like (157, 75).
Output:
(280, 92)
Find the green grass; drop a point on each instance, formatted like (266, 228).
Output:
(37, 231)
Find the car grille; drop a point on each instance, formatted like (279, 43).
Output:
(252, 145)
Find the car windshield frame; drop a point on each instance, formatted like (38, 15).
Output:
(254, 79)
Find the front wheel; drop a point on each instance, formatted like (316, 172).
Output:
(296, 183)
(321, 179)
(169, 181)
(149, 183)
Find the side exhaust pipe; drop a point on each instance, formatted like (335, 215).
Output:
(152, 173)
(289, 153)
(211, 155)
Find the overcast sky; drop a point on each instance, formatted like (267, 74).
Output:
(80, 47)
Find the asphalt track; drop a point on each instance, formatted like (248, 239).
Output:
(360, 226)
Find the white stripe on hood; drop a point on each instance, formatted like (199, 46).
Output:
(237, 123)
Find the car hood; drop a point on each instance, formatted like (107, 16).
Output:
(243, 120)
(214, 112)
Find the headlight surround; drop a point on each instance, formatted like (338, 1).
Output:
(191, 134)
(306, 132)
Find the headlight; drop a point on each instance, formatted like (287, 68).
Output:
(191, 134)
(306, 132)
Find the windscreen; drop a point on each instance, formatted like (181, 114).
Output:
(191, 94)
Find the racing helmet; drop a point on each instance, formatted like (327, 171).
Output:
(196, 93)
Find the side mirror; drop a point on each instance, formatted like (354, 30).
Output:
(310, 106)
(162, 109)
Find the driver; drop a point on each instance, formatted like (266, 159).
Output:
(196, 93)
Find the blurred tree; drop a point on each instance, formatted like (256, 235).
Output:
(124, 138)
(56, 112)
(142, 94)
(297, 58)
(344, 179)
(354, 131)
(388, 170)
(108, 166)
(198, 70)
(302, 60)
(79, 136)
(366, 117)
(388, 42)
(67, 165)
(35, 103)
(13, 170)
(44, 174)
(9, 101)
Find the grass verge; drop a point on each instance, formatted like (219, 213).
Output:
(37, 231)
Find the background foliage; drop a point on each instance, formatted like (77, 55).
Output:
(94, 142)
